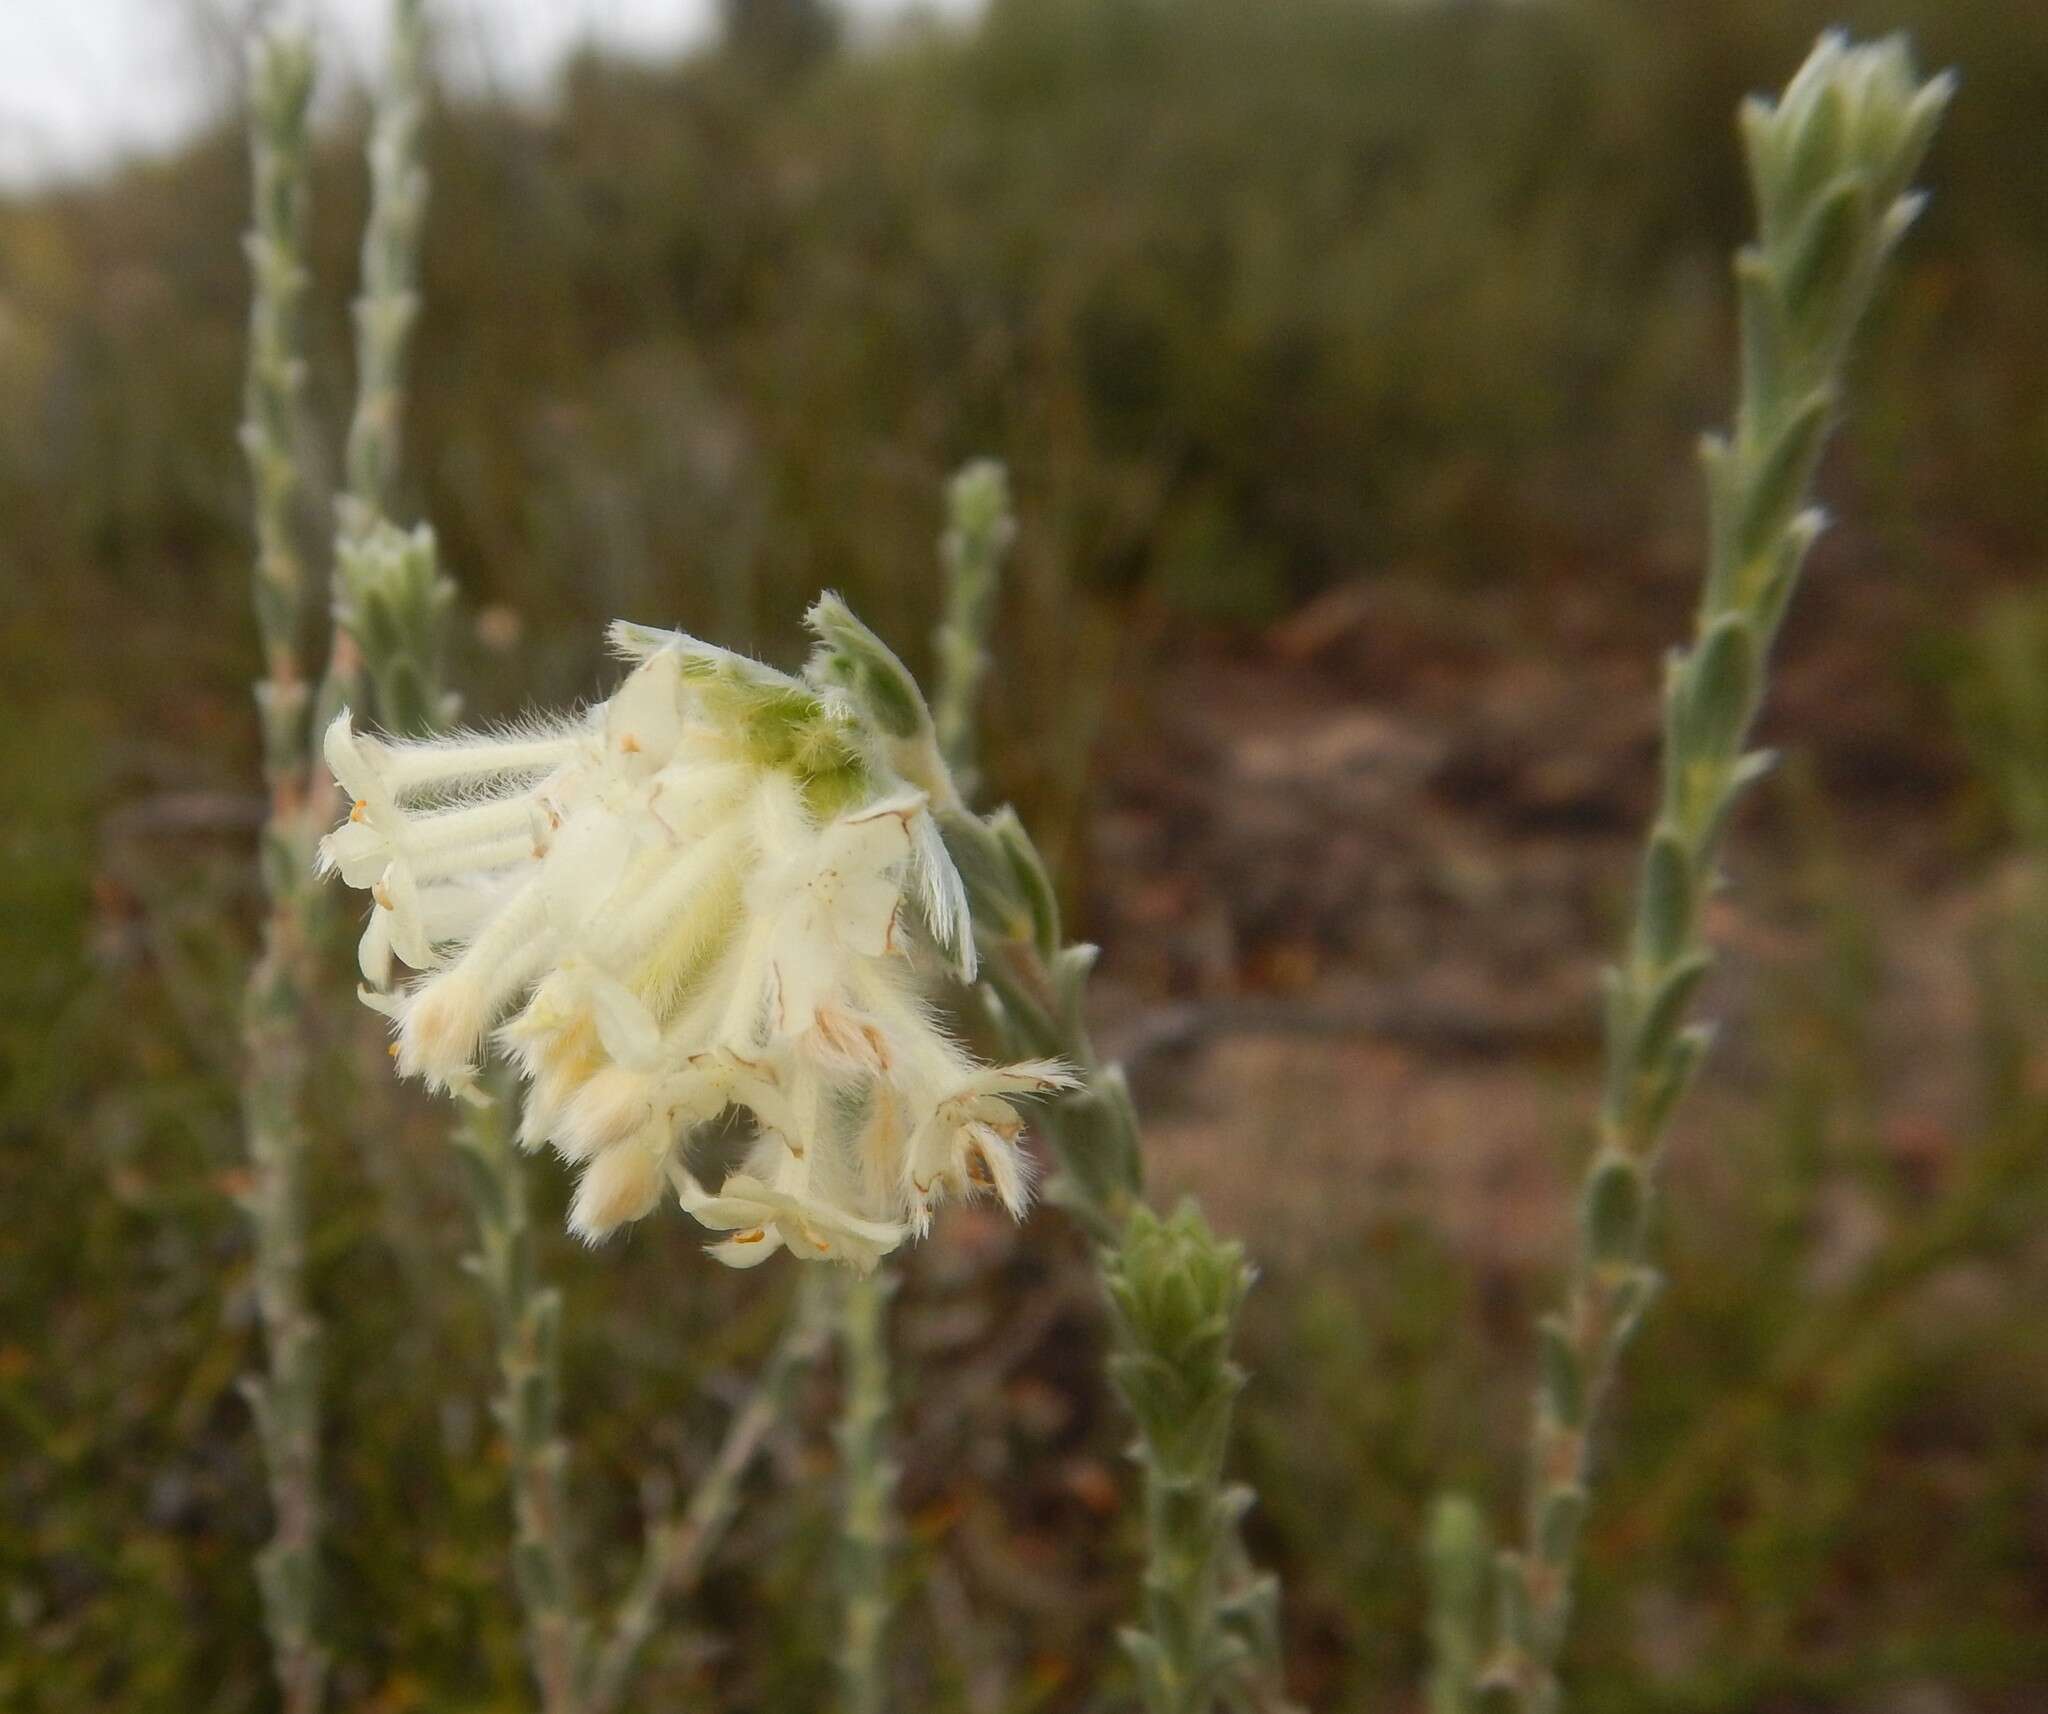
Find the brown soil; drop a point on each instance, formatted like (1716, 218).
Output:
(1356, 883)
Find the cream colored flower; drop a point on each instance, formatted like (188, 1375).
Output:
(709, 893)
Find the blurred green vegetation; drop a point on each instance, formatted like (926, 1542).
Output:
(1255, 300)
(1251, 299)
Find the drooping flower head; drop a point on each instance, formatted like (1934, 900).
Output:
(713, 892)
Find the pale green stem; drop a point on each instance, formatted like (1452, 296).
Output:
(578, 1668)
(1207, 1636)
(391, 605)
(401, 598)
(1830, 164)
(1460, 1577)
(979, 531)
(678, 1546)
(286, 1398)
(386, 306)
(971, 550)
(280, 89)
(866, 1521)
(528, 1318)
(1211, 1634)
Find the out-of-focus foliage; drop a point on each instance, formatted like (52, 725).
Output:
(1249, 297)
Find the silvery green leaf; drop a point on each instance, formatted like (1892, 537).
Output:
(1629, 1298)
(1681, 1066)
(1667, 902)
(1666, 1010)
(854, 658)
(1922, 119)
(1721, 688)
(1033, 884)
(1781, 472)
(1765, 337)
(1817, 147)
(1826, 251)
(1613, 1213)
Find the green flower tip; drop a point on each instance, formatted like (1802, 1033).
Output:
(399, 569)
(978, 503)
(1177, 1284)
(853, 658)
(281, 79)
(1852, 115)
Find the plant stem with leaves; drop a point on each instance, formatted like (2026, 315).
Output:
(386, 307)
(866, 1519)
(528, 1319)
(1830, 164)
(980, 529)
(391, 607)
(579, 1666)
(679, 1543)
(1460, 1553)
(1210, 1635)
(387, 304)
(971, 550)
(286, 1398)
(393, 601)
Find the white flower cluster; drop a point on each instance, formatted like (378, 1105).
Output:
(710, 892)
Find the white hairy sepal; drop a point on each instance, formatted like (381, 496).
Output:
(707, 893)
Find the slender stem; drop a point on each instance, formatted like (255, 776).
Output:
(1211, 1633)
(867, 1527)
(528, 1318)
(971, 550)
(678, 1547)
(1830, 164)
(1210, 1630)
(280, 91)
(1460, 1556)
(979, 531)
(286, 1398)
(390, 602)
(386, 306)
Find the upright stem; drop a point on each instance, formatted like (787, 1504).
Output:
(386, 307)
(979, 531)
(867, 1526)
(387, 304)
(391, 601)
(528, 1318)
(1460, 1562)
(977, 535)
(1830, 165)
(1210, 1634)
(1211, 1621)
(679, 1546)
(390, 604)
(286, 1398)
